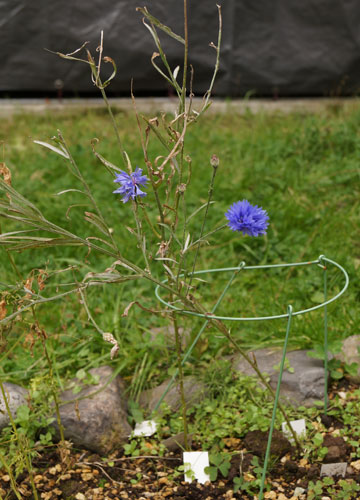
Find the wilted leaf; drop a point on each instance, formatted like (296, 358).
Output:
(5, 172)
(2, 309)
(42, 276)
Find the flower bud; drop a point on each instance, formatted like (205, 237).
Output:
(214, 161)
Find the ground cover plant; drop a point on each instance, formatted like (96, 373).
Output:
(301, 168)
(256, 145)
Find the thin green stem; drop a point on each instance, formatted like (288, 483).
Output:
(140, 238)
(210, 194)
(88, 190)
(181, 380)
(219, 325)
(12, 261)
(113, 121)
(149, 221)
(217, 63)
(326, 369)
(56, 401)
(19, 440)
(208, 234)
(151, 175)
(186, 51)
(14, 345)
(53, 391)
(11, 475)
(182, 114)
(277, 394)
(205, 324)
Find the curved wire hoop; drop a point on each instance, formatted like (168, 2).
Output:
(319, 262)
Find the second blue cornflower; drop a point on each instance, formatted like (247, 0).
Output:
(129, 184)
(248, 219)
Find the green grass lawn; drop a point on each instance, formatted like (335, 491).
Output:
(302, 168)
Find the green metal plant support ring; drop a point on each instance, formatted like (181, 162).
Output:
(319, 262)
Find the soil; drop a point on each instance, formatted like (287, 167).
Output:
(81, 475)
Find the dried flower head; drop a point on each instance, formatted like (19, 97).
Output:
(129, 184)
(163, 249)
(247, 218)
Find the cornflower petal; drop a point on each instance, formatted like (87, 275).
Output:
(129, 184)
(246, 218)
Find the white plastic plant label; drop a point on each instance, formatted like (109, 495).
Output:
(195, 463)
(337, 469)
(298, 426)
(145, 428)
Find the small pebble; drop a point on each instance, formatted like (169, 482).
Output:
(80, 496)
(299, 491)
(356, 465)
(87, 476)
(271, 495)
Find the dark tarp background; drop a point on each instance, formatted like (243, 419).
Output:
(282, 47)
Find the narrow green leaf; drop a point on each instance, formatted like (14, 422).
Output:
(160, 25)
(97, 222)
(198, 210)
(53, 148)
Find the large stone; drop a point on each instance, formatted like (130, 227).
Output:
(96, 417)
(302, 382)
(350, 354)
(194, 390)
(15, 397)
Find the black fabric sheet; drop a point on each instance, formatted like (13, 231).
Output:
(269, 48)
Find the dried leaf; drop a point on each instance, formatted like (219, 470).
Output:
(5, 172)
(2, 309)
(29, 342)
(109, 60)
(127, 309)
(42, 276)
(108, 337)
(28, 285)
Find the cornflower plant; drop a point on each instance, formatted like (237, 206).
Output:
(164, 239)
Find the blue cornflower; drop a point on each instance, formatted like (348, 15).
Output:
(247, 218)
(130, 183)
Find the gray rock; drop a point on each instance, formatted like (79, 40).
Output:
(195, 391)
(350, 354)
(301, 386)
(311, 383)
(15, 396)
(98, 422)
